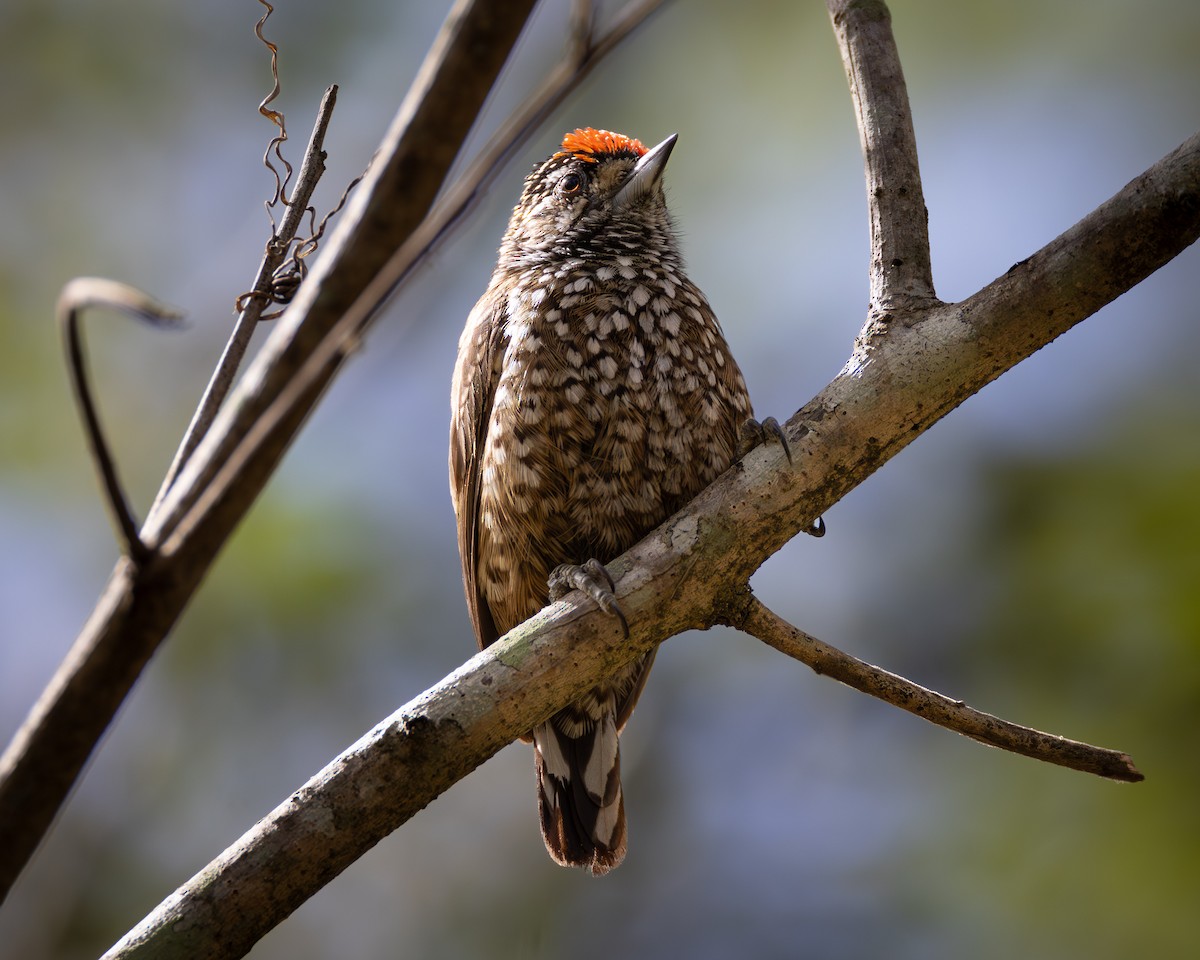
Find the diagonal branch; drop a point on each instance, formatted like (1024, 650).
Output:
(77, 296)
(385, 778)
(930, 705)
(901, 274)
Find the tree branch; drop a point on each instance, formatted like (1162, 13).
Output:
(77, 296)
(901, 273)
(385, 778)
(438, 738)
(930, 705)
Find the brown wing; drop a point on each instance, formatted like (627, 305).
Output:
(476, 374)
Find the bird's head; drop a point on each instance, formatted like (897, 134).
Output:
(600, 193)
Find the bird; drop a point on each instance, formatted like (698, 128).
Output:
(593, 395)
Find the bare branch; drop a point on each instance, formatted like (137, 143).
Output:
(938, 709)
(414, 756)
(579, 32)
(311, 169)
(901, 274)
(393, 200)
(77, 296)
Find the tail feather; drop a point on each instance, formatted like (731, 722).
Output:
(578, 758)
(580, 801)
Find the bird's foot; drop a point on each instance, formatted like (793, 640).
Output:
(752, 433)
(592, 579)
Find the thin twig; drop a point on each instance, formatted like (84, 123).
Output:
(901, 274)
(938, 709)
(308, 245)
(79, 295)
(311, 169)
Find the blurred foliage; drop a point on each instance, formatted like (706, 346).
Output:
(1093, 630)
(1034, 554)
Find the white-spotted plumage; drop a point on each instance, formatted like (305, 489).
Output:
(593, 396)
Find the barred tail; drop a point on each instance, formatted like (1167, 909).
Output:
(579, 790)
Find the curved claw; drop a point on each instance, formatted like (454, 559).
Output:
(592, 579)
(753, 433)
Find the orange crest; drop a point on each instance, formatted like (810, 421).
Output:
(586, 143)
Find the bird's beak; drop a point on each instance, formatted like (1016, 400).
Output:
(645, 174)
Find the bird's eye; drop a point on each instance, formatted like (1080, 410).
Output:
(570, 184)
